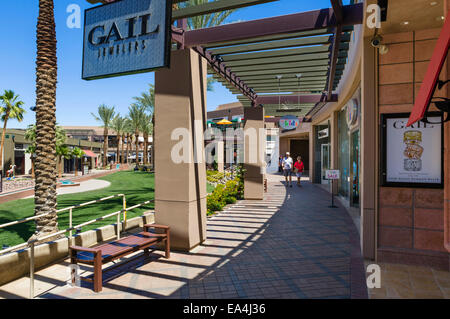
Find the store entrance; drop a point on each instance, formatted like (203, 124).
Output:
(300, 148)
(355, 163)
(325, 162)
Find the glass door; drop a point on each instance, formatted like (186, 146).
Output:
(325, 161)
(355, 161)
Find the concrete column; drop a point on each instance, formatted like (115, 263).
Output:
(333, 137)
(369, 120)
(180, 181)
(220, 156)
(255, 143)
(312, 155)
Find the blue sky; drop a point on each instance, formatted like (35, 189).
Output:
(77, 98)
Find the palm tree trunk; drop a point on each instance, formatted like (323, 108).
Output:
(2, 145)
(76, 166)
(60, 166)
(123, 159)
(145, 151)
(118, 149)
(46, 79)
(128, 147)
(105, 147)
(137, 148)
(153, 142)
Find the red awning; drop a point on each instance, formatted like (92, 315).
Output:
(89, 153)
(431, 77)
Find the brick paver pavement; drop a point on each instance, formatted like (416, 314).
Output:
(291, 245)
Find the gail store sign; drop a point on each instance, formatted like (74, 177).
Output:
(332, 174)
(126, 37)
(289, 122)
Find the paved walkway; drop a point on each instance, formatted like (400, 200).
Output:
(291, 245)
(89, 185)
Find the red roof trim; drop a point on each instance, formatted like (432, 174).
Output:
(431, 77)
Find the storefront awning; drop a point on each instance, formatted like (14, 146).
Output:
(428, 86)
(89, 153)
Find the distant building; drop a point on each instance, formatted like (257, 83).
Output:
(95, 134)
(14, 153)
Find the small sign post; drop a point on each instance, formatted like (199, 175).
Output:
(332, 175)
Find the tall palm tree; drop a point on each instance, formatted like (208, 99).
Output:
(105, 115)
(135, 114)
(207, 20)
(147, 130)
(118, 125)
(11, 108)
(76, 154)
(45, 162)
(128, 132)
(147, 101)
(60, 141)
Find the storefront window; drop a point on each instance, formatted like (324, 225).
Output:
(344, 154)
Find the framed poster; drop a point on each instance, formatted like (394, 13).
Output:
(412, 156)
(126, 37)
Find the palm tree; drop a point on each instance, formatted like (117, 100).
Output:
(11, 109)
(45, 162)
(63, 153)
(105, 115)
(207, 20)
(76, 154)
(135, 114)
(118, 125)
(147, 101)
(147, 130)
(128, 132)
(60, 137)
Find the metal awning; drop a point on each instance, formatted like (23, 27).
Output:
(308, 50)
(429, 83)
(89, 153)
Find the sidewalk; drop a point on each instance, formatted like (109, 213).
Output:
(290, 245)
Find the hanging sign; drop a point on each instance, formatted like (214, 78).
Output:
(126, 37)
(413, 155)
(289, 122)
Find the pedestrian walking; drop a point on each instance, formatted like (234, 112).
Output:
(287, 164)
(298, 168)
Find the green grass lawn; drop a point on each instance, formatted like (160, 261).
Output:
(138, 187)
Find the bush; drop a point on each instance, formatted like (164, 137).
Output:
(221, 196)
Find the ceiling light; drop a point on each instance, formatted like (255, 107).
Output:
(440, 18)
(405, 23)
(433, 3)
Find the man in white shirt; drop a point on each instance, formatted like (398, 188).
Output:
(287, 164)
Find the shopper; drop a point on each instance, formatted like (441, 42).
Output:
(299, 167)
(287, 168)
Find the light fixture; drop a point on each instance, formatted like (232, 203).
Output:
(405, 23)
(440, 18)
(433, 3)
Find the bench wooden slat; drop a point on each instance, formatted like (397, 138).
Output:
(119, 248)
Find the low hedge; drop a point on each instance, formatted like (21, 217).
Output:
(223, 195)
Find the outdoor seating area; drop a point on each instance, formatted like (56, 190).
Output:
(117, 249)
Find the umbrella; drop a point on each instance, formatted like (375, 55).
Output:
(223, 122)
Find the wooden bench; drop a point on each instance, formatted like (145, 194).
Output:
(105, 253)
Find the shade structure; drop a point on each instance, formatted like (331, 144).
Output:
(224, 122)
(89, 153)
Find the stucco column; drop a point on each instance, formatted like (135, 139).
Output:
(254, 149)
(333, 137)
(220, 156)
(369, 120)
(180, 120)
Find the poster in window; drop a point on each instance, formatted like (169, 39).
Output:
(413, 155)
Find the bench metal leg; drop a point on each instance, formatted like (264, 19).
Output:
(98, 272)
(168, 244)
